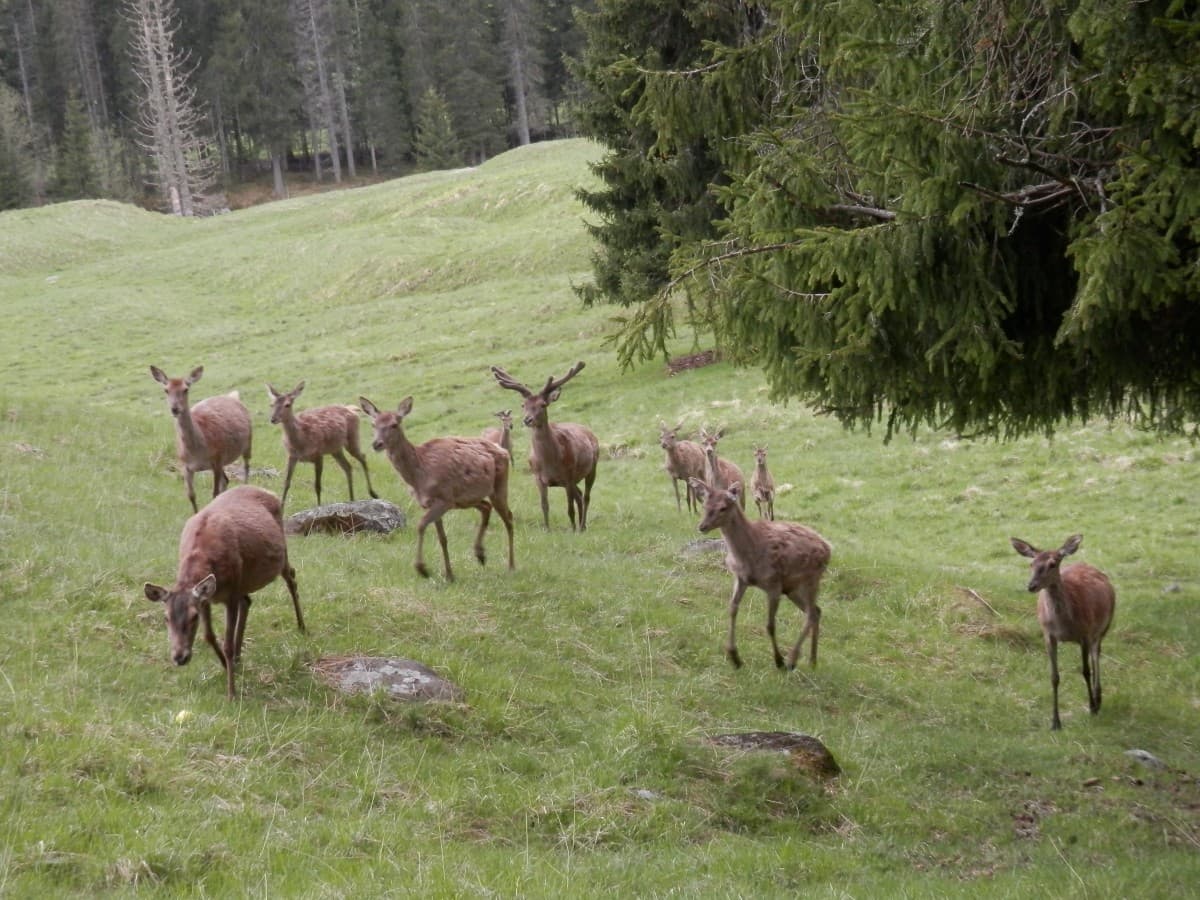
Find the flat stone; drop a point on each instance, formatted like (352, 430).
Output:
(402, 679)
(378, 516)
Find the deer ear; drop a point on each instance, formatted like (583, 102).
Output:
(195, 376)
(158, 375)
(368, 407)
(554, 395)
(272, 393)
(297, 389)
(699, 488)
(1023, 548)
(204, 591)
(154, 593)
(405, 406)
(1071, 545)
(735, 490)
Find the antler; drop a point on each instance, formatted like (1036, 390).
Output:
(553, 384)
(507, 381)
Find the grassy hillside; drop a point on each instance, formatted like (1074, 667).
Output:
(576, 765)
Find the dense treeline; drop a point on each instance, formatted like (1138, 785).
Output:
(328, 87)
(978, 215)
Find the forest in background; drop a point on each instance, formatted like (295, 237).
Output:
(330, 89)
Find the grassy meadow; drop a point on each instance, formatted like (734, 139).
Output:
(576, 766)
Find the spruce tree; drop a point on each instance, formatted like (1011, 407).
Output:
(75, 175)
(436, 145)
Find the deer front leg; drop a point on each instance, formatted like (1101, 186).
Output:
(318, 468)
(189, 482)
(289, 577)
(240, 615)
(739, 588)
(772, 609)
(678, 503)
(1052, 652)
(340, 458)
(287, 479)
(542, 491)
(432, 514)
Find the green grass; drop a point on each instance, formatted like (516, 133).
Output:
(576, 766)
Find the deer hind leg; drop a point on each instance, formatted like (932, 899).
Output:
(239, 614)
(574, 501)
(735, 601)
(1091, 674)
(1052, 652)
(506, 516)
(340, 458)
(485, 514)
(772, 610)
(586, 502)
(289, 578)
(220, 480)
(807, 603)
(433, 514)
(358, 454)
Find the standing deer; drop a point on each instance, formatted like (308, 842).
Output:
(685, 459)
(208, 436)
(228, 550)
(720, 473)
(762, 485)
(562, 454)
(503, 434)
(778, 557)
(316, 433)
(444, 474)
(1074, 604)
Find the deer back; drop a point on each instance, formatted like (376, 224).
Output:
(1087, 610)
(323, 430)
(224, 423)
(459, 471)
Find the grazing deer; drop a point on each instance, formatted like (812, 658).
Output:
(1074, 604)
(720, 473)
(228, 550)
(317, 433)
(778, 557)
(214, 432)
(444, 474)
(562, 454)
(503, 434)
(762, 485)
(685, 459)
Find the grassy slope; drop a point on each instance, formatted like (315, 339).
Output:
(594, 669)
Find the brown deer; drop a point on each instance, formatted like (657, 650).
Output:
(778, 557)
(762, 485)
(228, 550)
(1075, 603)
(720, 473)
(214, 432)
(503, 434)
(562, 454)
(444, 474)
(685, 459)
(317, 433)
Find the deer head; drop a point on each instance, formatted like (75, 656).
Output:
(176, 389)
(535, 405)
(281, 402)
(1043, 571)
(387, 425)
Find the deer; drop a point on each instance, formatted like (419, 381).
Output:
(227, 551)
(316, 433)
(208, 436)
(719, 472)
(443, 474)
(503, 434)
(777, 557)
(1075, 604)
(562, 454)
(685, 459)
(762, 485)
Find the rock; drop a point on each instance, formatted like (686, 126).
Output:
(401, 679)
(1146, 759)
(378, 516)
(806, 752)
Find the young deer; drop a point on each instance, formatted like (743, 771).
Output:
(762, 485)
(444, 474)
(214, 432)
(228, 550)
(317, 433)
(778, 557)
(562, 454)
(503, 434)
(720, 473)
(1075, 603)
(685, 459)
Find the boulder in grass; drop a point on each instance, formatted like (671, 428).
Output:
(401, 679)
(804, 751)
(378, 516)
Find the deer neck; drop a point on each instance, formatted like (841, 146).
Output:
(291, 429)
(736, 531)
(543, 441)
(403, 456)
(190, 437)
(1056, 599)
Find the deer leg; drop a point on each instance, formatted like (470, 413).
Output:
(587, 499)
(542, 491)
(289, 577)
(210, 636)
(188, 476)
(340, 458)
(1052, 652)
(739, 588)
(812, 626)
(318, 467)
(357, 454)
(1091, 674)
(506, 517)
(772, 609)
(441, 533)
(433, 514)
(220, 481)
(242, 612)
(287, 479)
(1096, 672)
(574, 500)
(675, 484)
(485, 513)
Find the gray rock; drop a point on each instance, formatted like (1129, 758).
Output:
(401, 679)
(805, 751)
(1146, 759)
(378, 516)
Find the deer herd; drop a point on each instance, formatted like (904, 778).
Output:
(236, 544)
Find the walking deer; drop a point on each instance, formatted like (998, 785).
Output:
(444, 474)
(720, 473)
(762, 485)
(1075, 604)
(214, 432)
(503, 434)
(562, 454)
(314, 434)
(685, 459)
(777, 557)
(228, 550)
